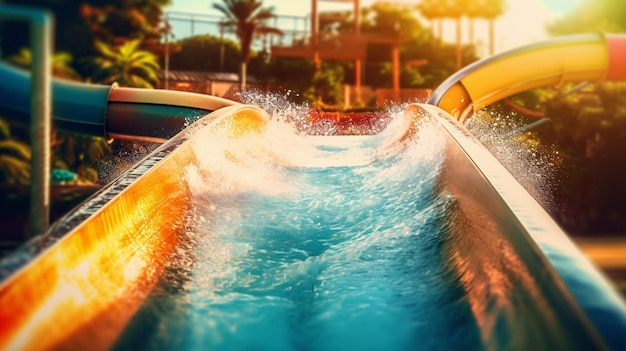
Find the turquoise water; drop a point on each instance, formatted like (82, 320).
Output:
(339, 249)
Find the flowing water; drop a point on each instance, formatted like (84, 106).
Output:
(311, 243)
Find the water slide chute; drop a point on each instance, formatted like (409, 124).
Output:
(77, 277)
(579, 58)
(108, 110)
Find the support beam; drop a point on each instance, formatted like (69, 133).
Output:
(357, 62)
(395, 67)
(41, 27)
(315, 35)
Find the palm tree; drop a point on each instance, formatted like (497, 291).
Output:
(14, 158)
(432, 11)
(127, 65)
(474, 11)
(488, 10)
(492, 9)
(454, 9)
(247, 18)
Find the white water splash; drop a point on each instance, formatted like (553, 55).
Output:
(533, 166)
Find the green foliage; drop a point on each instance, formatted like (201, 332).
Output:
(61, 63)
(5, 130)
(327, 85)
(127, 65)
(592, 16)
(79, 153)
(435, 60)
(319, 88)
(487, 9)
(585, 143)
(435, 9)
(126, 19)
(79, 24)
(202, 53)
(14, 171)
(15, 148)
(15, 158)
(392, 20)
(72, 152)
(411, 78)
(588, 128)
(281, 75)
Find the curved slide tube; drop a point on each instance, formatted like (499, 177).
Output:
(150, 114)
(578, 58)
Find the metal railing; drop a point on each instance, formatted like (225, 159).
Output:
(41, 32)
(295, 28)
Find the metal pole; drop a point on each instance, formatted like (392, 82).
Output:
(395, 68)
(357, 62)
(315, 35)
(222, 49)
(459, 46)
(41, 42)
(41, 27)
(167, 60)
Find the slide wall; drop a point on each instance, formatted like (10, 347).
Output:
(593, 58)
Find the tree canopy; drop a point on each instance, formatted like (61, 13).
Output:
(586, 130)
(80, 24)
(203, 53)
(125, 65)
(592, 16)
(425, 63)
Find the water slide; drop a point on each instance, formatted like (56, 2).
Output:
(114, 111)
(195, 246)
(583, 58)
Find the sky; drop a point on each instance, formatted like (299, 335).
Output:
(523, 23)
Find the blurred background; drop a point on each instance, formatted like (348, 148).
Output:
(566, 143)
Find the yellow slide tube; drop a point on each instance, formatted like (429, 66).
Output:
(593, 57)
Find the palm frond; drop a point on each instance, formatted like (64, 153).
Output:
(23, 58)
(122, 64)
(104, 49)
(14, 171)
(5, 130)
(15, 148)
(129, 48)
